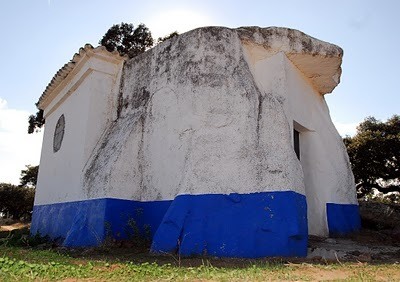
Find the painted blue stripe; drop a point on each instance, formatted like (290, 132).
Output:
(342, 218)
(71, 222)
(87, 223)
(236, 225)
(127, 218)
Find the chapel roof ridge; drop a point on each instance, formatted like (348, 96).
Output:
(68, 67)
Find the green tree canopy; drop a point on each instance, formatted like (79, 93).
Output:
(29, 176)
(35, 122)
(127, 40)
(16, 201)
(374, 154)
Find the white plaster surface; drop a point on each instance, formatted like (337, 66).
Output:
(200, 126)
(327, 174)
(88, 112)
(209, 111)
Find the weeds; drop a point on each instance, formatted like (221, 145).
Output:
(136, 237)
(22, 238)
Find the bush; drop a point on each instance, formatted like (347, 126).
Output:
(16, 202)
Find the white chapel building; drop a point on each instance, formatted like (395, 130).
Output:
(216, 142)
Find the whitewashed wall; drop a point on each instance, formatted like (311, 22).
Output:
(326, 172)
(198, 130)
(88, 104)
(209, 112)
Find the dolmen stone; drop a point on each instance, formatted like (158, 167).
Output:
(216, 142)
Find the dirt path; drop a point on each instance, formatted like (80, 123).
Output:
(17, 225)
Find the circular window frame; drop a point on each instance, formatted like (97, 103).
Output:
(58, 133)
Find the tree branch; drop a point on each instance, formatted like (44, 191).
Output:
(386, 189)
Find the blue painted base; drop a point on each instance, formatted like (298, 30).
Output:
(342, 218)
(88, 223)
(236, 225)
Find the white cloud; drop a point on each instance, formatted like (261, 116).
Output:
(17, 147)
(346, 128)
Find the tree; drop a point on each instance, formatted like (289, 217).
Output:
(35, 122)
(374, 154)
(162, 39)
(29, 176)
(127, 40)
(16, 201)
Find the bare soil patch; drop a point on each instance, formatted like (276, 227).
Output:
(14, 226)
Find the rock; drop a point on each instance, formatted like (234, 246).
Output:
(330, 241)
(364, 257)
(379, 216)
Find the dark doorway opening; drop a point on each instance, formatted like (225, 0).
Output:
(296, 143)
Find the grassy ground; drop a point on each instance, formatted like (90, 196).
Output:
(23, 259)
(23, 264)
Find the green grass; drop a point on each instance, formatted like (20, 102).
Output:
(31, 259)
(22, 264)
(28, 265)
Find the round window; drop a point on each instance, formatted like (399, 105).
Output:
(59, 133)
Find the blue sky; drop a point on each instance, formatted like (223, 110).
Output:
(40, 36)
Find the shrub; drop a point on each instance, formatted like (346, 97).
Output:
(16, 202)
